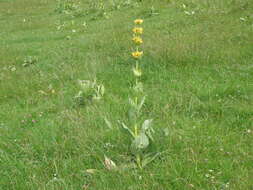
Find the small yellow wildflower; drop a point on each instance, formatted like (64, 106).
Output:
(138, 30)
(137, 54)
(137, 40)
(138, 21)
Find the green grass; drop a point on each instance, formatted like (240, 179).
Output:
(198, 77)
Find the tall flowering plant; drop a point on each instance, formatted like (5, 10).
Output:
(140, 131)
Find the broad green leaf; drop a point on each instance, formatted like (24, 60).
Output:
(137, 72)
(147, 128)
(132, 114)
(127, 129)
(132, 103)
(146, 125)
(138, 87)
(141, 103)
(139, 143)
(149, 134)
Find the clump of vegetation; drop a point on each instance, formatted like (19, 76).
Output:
(140, 132)
(89, 91)
(30, 60)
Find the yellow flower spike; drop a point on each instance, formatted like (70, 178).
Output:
(138, 21)
(137, 54)
(138, 30)
(137, 40)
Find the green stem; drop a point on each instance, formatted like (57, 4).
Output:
(137, 64)
(137, 68)
(135, 130)
(138, 161)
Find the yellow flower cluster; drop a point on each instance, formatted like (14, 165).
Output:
(137, 40)
(137, 54)
(138, 30)
(138, 21)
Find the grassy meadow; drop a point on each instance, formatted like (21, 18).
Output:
(198, 81)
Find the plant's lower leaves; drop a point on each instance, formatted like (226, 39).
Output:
(139, 143)
(132, 114)
(127, 129)
(147, 128)
(141, 103)
(147, 159)
(146, 125)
